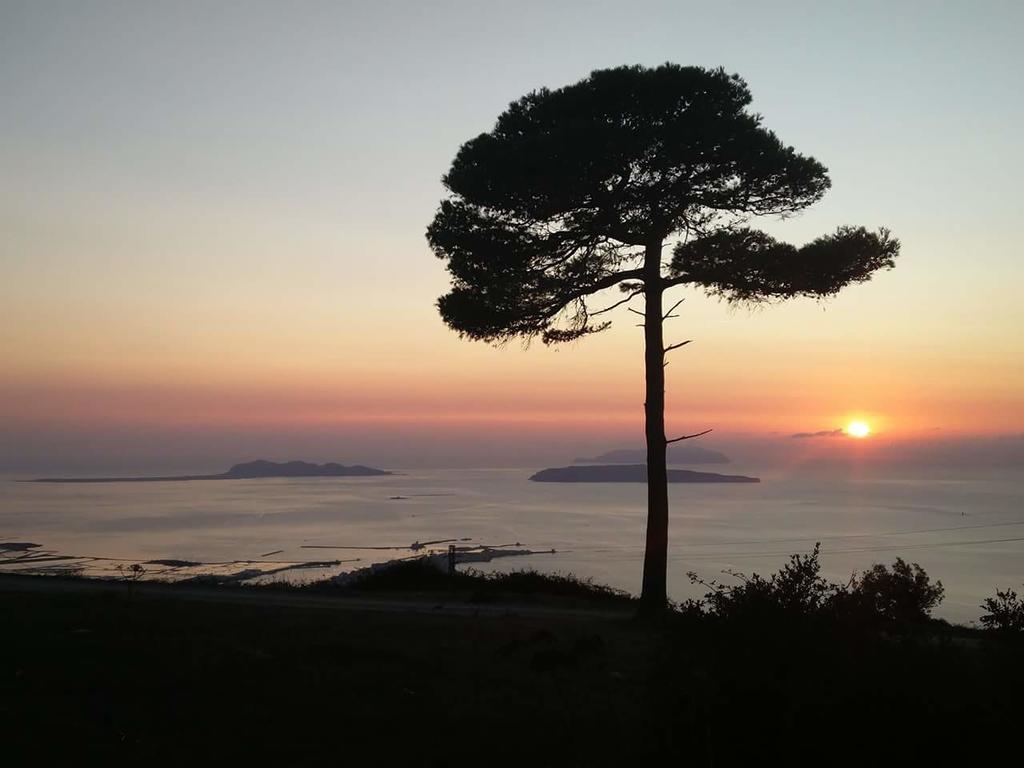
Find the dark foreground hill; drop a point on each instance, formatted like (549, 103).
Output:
(248, 470)
(446, 674)
(630, 473)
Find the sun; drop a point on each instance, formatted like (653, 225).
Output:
(858, 429)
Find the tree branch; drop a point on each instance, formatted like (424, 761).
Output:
(669, 314)
(670, 347)
(618, 303)
(687, 437)
(669, 282)
(607, 282)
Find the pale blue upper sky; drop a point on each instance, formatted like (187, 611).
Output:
(351, 111)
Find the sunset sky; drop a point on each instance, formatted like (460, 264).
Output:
(212, 229)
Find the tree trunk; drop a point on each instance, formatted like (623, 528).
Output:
(654, 598)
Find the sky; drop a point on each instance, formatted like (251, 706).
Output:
(212, 231)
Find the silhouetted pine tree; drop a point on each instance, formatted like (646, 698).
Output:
(577, 190)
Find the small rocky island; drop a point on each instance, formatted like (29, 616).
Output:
(630, 473)
(246, 471)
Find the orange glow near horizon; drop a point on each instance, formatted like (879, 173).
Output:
(501, 389)
(308, 369)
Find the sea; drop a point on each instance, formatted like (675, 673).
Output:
(965, 530)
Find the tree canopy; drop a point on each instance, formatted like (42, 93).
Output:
(561, 198)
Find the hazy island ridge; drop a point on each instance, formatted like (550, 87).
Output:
(629, 473)
(677, 454)
(246, 471)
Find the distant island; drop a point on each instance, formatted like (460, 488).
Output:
(630, 473)
(677, 454)
(246, 471)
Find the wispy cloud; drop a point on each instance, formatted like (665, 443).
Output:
(822, 433)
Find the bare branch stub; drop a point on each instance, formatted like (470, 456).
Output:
(630, 297)
(687, 437)
(669, 314)
(670, 347)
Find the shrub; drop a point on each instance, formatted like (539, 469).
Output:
(798, 589)
(1005, 612)
(896, 596)
(900, 596)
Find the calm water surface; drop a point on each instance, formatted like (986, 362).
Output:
(967, 531)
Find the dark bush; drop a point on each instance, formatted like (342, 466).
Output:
(900, 596)
(1005, 612)
(798, 589)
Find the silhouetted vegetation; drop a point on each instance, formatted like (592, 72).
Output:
(797, 590)
(898, 597)
(793, 667)
(577, 190)
(528, 582)
(901, 596)
(788, 667)
(421, 575)
(1004, 612)
(415, 574)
